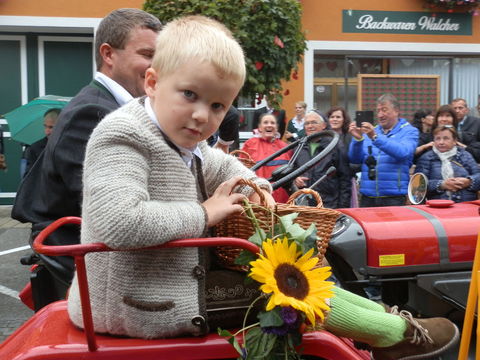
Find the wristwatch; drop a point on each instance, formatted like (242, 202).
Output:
(374, 137)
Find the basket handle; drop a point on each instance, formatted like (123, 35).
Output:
(255, 187)
(315, 195)
(241, 152)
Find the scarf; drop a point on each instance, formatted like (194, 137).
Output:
(447, 169)
(445, 157)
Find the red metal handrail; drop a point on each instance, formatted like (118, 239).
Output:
(78, 251)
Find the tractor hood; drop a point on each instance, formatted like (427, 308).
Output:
(404, 239)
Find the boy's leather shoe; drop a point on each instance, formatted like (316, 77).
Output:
(424, 338)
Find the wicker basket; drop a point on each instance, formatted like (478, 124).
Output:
(323, 218)
(243, 157)
(239, 225)
(296, 194)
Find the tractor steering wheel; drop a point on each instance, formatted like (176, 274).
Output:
(286, 173)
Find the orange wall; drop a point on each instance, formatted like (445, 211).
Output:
(322, 20)
(64, 8)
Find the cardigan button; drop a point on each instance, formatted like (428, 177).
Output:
(200, 322)
(199, 272)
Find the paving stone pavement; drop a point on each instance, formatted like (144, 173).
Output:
(13, 275)
(6, 222)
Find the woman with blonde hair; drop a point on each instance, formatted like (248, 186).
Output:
(295, 129)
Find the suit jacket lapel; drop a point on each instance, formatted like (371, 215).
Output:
(99, 86)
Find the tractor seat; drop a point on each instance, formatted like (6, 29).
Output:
(49, 334)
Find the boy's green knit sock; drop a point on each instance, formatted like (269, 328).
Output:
(357, 300)
(378, 329)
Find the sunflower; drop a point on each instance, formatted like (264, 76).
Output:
(291, 278)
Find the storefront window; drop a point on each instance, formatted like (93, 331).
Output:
(329, 80)
(334, 67)
(458, 77)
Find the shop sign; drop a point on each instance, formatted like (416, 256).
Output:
(406, 22)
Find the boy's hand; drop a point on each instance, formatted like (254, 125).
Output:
(269, 200)
(223, 203)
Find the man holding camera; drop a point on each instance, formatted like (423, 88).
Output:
(385, 152)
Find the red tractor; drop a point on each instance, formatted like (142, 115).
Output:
(419, 257)
(49, 334)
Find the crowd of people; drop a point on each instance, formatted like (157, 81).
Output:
(381, 158)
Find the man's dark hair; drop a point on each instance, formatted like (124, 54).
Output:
(116, 27)
(459, 99)
(267, 114)
(346, 117)
(445, 109)
(418, 116)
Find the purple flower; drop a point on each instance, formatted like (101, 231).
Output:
(276, 330)
(289, 315)
(291, 322)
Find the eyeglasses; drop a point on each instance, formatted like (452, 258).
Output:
(311, 123)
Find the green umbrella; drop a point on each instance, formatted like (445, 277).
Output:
(26, 121)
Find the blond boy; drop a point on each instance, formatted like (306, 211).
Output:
(149, 177)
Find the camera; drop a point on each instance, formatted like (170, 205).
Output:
(371, 163)
(363, 116)
(372, 172)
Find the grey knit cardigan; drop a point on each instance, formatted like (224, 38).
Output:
(138, 192)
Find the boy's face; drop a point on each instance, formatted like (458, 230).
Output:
(191, 102)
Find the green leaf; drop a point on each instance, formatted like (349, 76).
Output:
(295, 338)
(245, 257)
(258, 237)
(270, 318)
(311, 239)
(259, 344)
(267, 343)
(231, 339)
(251, 342)
(287, 220)
(296, 232)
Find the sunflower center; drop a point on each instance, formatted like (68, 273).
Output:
(291, 281)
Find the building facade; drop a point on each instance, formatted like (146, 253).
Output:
(351, 39)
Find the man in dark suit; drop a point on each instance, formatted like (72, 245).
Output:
(468, 128)
(279, 114)
(124, 47)
(227, 134)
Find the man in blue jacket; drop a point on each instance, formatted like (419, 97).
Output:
(385, 152)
